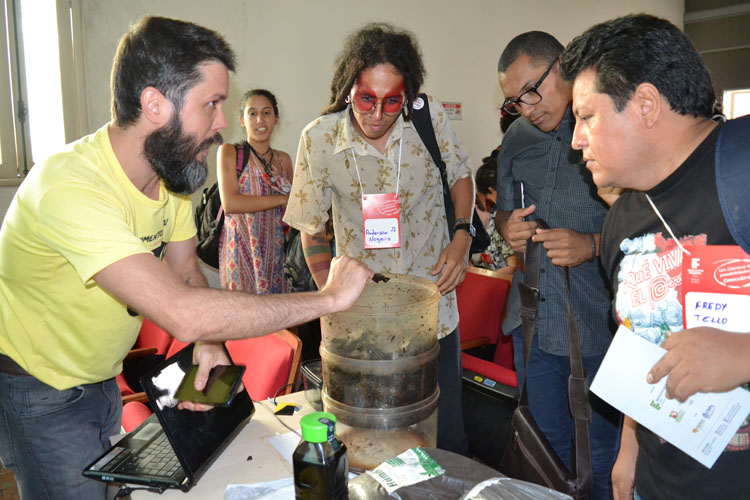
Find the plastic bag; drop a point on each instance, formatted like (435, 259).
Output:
(505, 488)
(461, 474)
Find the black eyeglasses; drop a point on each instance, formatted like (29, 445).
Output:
(530, 97)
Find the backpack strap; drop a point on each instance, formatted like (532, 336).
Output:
(243, 155)
(423, 123)
(732, 174)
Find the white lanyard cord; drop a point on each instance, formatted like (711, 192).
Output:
(398, 168)
(669, 229)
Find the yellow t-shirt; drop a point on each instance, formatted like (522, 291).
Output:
(75, 214)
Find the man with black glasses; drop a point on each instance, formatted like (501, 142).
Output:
(540, 176)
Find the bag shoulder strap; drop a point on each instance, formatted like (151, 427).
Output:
(578, 387)
(731, 177)
(422, 121)
(243, 155)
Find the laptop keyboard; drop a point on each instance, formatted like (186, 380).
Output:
(156, 459)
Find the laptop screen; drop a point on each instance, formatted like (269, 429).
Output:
(197, 438)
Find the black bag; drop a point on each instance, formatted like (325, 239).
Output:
(529, 455)
(296, 271)
(209, 217)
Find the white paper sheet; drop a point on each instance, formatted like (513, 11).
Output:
(701, 426)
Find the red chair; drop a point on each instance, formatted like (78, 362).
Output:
(481, 299)
(490, 388)
(152, 335)
(152, 340)
(272, 364)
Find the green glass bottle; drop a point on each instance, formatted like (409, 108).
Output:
(321, 468)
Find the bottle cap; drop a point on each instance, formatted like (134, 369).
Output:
(318, 427)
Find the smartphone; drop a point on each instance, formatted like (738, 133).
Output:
(220, 389)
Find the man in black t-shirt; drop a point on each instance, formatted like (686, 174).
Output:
(644, 104)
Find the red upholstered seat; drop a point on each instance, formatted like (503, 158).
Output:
(152, 335)
(481, 299)
(272, 362)
(133, 414)
(489, 369)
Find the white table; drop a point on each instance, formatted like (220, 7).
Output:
(234, 466)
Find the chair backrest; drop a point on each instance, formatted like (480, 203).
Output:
(481, 299)
(272, 362)
(152, 335)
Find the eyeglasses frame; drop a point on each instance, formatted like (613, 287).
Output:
(510, 104)
(382, 109)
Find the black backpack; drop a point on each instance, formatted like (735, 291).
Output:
(296, 271)
(209, 216)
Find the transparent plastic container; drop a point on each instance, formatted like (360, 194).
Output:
(374, 435)
(380, 362)
(392, 319)
(380, 383)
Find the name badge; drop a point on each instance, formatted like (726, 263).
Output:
(716, 287)
(381, 221)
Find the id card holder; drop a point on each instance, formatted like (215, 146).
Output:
(381, 221)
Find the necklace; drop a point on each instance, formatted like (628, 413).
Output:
(267, 165)
(278, 182)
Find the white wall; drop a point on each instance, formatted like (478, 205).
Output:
(288, 46)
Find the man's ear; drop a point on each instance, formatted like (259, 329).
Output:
(156, 108)
(650, 103)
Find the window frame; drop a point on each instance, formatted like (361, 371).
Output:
(15, 139)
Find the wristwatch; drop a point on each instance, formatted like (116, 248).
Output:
(465, 225)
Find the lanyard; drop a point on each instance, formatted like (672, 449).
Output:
(398, 167)
(669, 229)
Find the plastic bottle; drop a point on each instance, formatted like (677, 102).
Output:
(321, 468)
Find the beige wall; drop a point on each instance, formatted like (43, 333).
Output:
(288, 46)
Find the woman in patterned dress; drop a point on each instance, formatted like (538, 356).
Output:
(254, 190)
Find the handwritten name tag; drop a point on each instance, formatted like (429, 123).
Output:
(380, 219)
(719, 310)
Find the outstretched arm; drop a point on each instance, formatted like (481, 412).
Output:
(193, 314)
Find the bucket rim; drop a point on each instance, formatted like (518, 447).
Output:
(434, 296)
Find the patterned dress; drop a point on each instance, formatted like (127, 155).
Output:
(251, 249)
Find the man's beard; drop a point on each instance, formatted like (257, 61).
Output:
(173, 156)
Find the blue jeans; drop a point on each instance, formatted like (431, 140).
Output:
(48, 436)
(547, 381)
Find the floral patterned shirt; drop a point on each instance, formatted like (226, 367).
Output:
(325, 176)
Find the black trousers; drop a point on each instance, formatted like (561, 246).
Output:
(451, 435)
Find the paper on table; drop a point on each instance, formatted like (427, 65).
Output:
(701, 426)
(285, 444)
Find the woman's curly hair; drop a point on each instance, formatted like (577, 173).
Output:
(374, 44)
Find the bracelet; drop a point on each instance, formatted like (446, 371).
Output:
(593, 247)
(462, 220)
